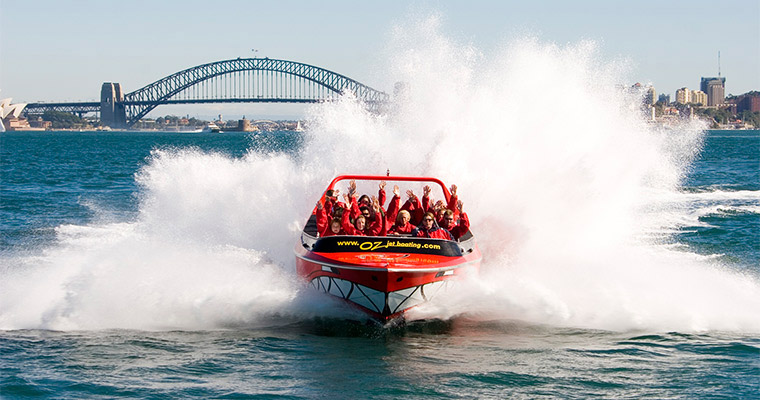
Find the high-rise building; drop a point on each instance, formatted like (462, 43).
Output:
(699, 97)
(683, 96)
(664, 99)
(715, 90)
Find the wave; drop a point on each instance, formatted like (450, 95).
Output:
(681, 209)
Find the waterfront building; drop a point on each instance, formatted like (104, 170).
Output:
(39, 124)
(715, 90)
(683, 96)
(17, 124)
(664, 99)
(244, 125)
(748, 102)
(699, 97)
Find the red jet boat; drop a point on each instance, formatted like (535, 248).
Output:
(383, 276)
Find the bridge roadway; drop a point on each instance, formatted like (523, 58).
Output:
(88, 107)
(249, 80)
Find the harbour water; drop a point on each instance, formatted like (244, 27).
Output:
(620, 259)
(159, 265)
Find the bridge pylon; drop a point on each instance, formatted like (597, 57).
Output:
(112, 110)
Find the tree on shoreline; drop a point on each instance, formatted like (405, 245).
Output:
(752, 118)
(64, 120)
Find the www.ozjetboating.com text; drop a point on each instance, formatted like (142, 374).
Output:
(371, 246)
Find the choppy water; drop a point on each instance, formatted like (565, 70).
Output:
(321, 359)
(620, 260)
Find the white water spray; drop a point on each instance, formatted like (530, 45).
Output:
(559, 173)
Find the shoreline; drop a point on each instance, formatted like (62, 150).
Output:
(149, 130)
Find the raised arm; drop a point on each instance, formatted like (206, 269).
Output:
(321, 218)
(393, 207)
(426, 198)
(381, 193)
(464, 221)
(453, 199)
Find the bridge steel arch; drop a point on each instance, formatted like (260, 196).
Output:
(139, 103)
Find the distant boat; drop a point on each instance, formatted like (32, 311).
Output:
(299, 128)
(212, 128)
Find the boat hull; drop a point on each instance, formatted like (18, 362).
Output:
(382, 276)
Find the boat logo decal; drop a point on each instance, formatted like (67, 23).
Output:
(343, 244)
(388, 244)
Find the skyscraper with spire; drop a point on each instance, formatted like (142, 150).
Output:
(715, 89)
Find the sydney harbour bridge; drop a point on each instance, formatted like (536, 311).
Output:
(241, 80)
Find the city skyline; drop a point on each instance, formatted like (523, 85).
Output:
(64, 51)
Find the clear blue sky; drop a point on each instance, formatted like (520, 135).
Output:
(62, 50)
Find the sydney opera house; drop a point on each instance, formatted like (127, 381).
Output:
(10, 116)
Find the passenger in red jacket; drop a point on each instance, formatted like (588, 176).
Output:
(456, 228)
(331, 197)
(440, 207)
(402, 225)
(430, 229)
(414, 206)
(336, 228)
(327, 226)
(366, 202)
(360, 226)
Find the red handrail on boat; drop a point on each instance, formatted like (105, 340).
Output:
(389, 178)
